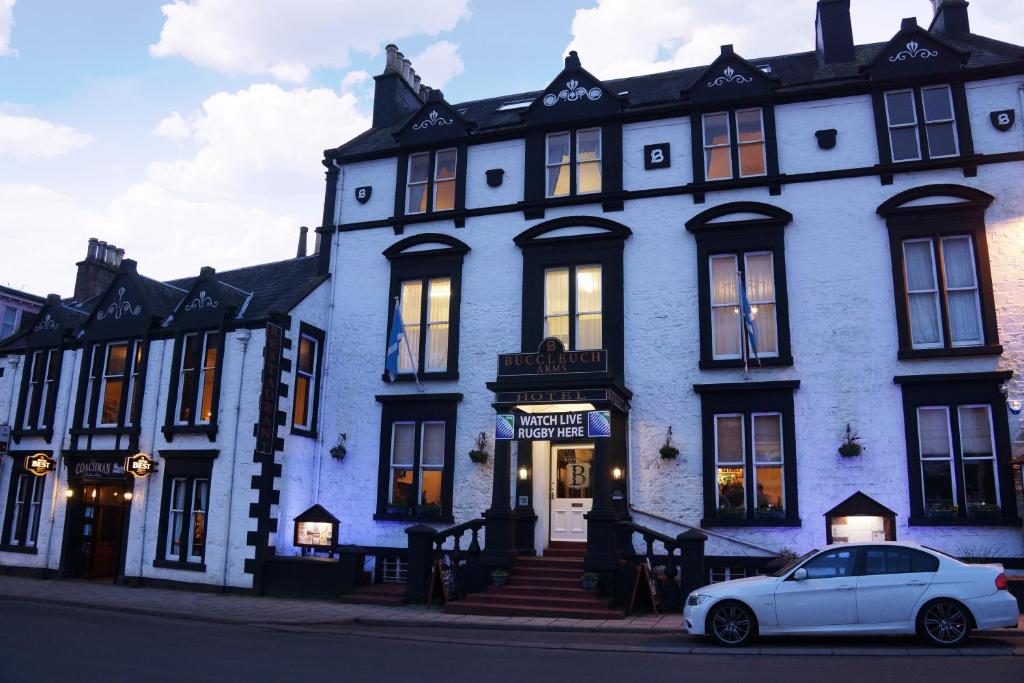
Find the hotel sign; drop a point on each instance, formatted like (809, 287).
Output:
(39, 464)
(5, 439)
(139, 465)
(552, 359)
(266, 426)
(581, 424)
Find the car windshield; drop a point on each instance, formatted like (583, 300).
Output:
(792, 563)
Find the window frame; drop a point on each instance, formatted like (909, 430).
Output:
(952, 391)
(417, 409)
(958, 107)
(574, 164)
(16, 535)
(190, 467)
(318, 337)
(573, 314)
(749, 400)
(94, 380)
(740, 238)
(18, 313)
(770, 154)
(427, 265)
(404, 162)
(173, 425)
(35, 413)
(936, 222)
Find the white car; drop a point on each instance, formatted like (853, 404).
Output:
(857, 588)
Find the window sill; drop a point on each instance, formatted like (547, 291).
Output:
(210, 430)
(444, 518)
(308, 433)
(955, 352)
(965, 521)
(710, 523)
(103, 431)
(46, 433)
(447, 376)
(775, 362)
(176, 564)
(24, 550)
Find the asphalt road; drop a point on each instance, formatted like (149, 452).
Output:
(41, 642)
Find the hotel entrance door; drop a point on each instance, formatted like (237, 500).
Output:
(97, 518)
(571, 493)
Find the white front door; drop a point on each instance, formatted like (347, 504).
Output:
(571, 493)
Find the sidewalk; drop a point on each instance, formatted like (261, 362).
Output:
(243, 609)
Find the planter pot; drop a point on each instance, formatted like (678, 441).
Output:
(338, 452)
(669, 452)
(941, 514)
(770, 514)
(499, 579)
(589, 585)
(478, 457)
(731, 514)
(850, 450)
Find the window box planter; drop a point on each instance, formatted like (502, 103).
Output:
(769, 513)
(941, 513)
(731, 513)
(984, 511)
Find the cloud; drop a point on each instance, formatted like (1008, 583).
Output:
(286, 39)
(354, 79)
(173, 127)
(26, 138)
(6, 24)
(438, 63)
(672, 34)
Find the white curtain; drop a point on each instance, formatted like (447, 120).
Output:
(729, 434)
(975, 431)
(556, 304)
(725, 316)
(933, 431)
(962, 290)
(558, 165)
(438, 305)
(404, 436)
(433, 444)
(412, 306)
(588, 307)
(760, 282)
(922, 293)
(767, 438)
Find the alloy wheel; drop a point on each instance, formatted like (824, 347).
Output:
(945, 623)
(731, 624)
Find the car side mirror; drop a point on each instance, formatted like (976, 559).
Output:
(800, 574)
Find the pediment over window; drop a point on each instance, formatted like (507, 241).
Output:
(572, 228)
(575, 94)
(129, 305)
(935, 198)
(208, 302)
(860, 505)
(730, 78)
(436, 121)
(52, 322)
(915, 52)
(426, 245)
(739, 215)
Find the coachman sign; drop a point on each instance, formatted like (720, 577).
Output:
(552, 359)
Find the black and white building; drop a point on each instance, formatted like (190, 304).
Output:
(585, 248)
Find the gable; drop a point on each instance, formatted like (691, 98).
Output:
(915, 52)
(575, 94)
(729, 78)
(207, 303)
(435, 121)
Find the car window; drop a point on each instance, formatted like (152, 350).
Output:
(879, 560)
(830, 565)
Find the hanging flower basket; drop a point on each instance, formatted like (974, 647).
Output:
(339, 451)
(668, 451)
(479, 453)
(850, 448)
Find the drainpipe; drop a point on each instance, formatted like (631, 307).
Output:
(152, 452)
(325, 371)
(243, 339)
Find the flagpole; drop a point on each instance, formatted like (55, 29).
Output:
(408, 347)
(743, 326)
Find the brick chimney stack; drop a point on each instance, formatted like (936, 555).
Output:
(398, 91)
(950, 17)
(97, 270)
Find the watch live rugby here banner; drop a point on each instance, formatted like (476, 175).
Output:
(583, 424)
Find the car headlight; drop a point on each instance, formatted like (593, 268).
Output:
(696, 599)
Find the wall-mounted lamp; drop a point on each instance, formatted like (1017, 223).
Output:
(128, 495)
(69, 493)
(616, 473)
(524, 473)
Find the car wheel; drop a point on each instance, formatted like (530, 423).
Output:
(731, 624)
(944, 623)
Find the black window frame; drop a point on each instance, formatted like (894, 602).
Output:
(937, 221)
(535, 197)
(573, 162)
(318, 336)
(951, 391)
(605, 249)
(172, 425)
(17, 472)
(33, 418)
(714, 237)
(444, 261)
(965, 141)
(418, 408)
(88, 403)
(402, 186)
(189, 465)
(747, 398)
(771, 149)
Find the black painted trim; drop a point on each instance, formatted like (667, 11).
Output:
(313, 403)
(48, 411)
(18, 469)
(457, 213)
(965, 139)
(171, 426)
(771, 149)
(190, 465)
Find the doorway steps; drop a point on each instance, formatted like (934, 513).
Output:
(376, 594)
(547, 586)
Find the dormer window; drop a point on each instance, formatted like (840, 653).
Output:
(734, 144)
(196, 378)
(911, 139)
(113, 390)
(431, 181)
(568, 150)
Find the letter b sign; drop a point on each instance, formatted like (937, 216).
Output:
(657, 156)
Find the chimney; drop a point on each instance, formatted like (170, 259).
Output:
(833, 32)
(97, 270)
(397, 91)
(950, 17)
(302, 242)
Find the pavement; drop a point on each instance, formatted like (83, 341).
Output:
(226, 608)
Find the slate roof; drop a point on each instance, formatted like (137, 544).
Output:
(796, 72)
(18, 294)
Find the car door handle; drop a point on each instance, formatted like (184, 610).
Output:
(917, 583)
(845, 588)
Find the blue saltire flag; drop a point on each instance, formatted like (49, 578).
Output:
(748, 320)
(395, 342)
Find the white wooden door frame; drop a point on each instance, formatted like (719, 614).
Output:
(586, 503)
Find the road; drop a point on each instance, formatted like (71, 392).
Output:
(42, 642)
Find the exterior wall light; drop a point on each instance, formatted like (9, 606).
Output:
(128, 495)
(524, 473)
(69, 493)
(616, 473)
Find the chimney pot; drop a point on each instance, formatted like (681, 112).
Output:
(833, 32)
(301, 251)
(118, 256)
(53, 298)
(206, 272)
(572, 60)
(908, 22)
(97, 270)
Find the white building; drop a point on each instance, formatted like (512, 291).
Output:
(865, 201)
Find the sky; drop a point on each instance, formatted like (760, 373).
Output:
(190, 132)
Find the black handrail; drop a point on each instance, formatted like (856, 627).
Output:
(456, 533)
(650, 537)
